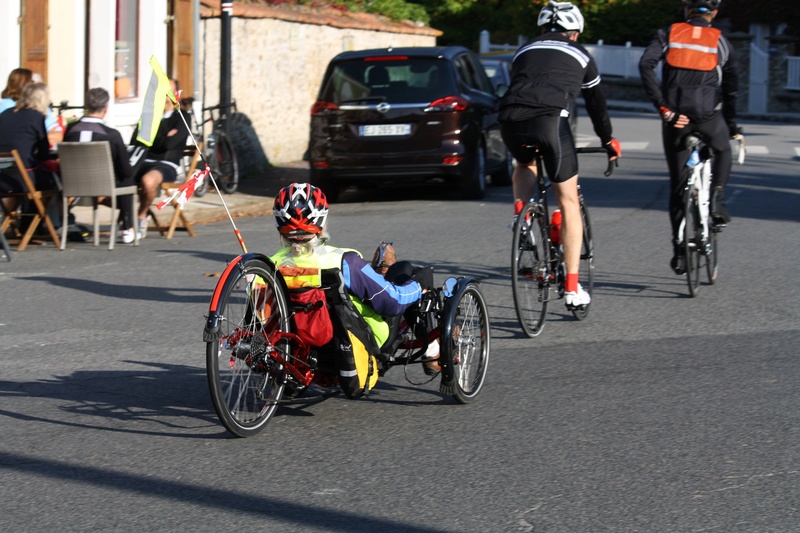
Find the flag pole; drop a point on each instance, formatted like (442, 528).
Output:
(210, 175)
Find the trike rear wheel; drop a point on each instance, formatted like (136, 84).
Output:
(466, 348)
(247, 311)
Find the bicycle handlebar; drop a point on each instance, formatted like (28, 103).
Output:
(64, 106)
(599, 150)
(221, 106)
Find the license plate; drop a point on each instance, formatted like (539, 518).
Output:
(382, 130)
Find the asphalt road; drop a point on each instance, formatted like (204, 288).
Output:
(657, 413)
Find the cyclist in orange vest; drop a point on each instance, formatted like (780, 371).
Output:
(697, 93)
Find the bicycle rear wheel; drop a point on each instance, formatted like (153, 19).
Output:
(248, 309)
(227, 165)
(530, 276)
(692, 241)
(712, 259)
(586, 274)
(466, 351)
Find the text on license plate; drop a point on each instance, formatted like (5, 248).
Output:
(377, 130)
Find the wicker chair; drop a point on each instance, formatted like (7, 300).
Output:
(87, 171)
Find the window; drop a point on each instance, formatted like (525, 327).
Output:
(126, 43)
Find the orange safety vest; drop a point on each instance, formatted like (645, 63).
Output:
(693, 47)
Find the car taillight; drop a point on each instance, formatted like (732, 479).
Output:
(448, 103)
(320, 106)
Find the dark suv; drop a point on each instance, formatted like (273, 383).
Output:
(407, 113)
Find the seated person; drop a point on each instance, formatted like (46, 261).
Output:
(163, 159)
(92, 128)
(17, 80)
(301, 214)
(22, 129)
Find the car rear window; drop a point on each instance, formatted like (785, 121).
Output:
(405, 80)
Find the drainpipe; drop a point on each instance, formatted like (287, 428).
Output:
(225, 63)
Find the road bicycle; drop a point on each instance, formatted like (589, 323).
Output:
(537, 264)
(217, 149)
(698, 233)
(256, 362)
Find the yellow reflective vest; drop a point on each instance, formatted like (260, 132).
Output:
(306, 271)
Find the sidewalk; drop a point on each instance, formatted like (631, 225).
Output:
(254, 197)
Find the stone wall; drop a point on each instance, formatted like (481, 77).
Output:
(277, 68)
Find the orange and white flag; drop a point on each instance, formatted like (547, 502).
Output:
(185, 191)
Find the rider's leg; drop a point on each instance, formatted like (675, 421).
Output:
(676, 156)
(719, 139)
(523, 181)
(571, 228)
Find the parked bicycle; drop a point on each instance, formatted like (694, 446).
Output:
(537, 264)
(698, 232)
(254, 358)
(217, 148)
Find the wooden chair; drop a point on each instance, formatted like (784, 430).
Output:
(87, 171)
(37, 197)
(168, 230)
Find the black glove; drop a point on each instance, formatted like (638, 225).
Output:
(733, 129)
(423, 276)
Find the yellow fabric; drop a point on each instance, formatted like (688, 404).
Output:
(158, 90)
(363, 361)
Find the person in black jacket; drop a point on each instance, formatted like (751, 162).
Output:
(163, 158)
(92, 128)
(697, 93)
(547, 74)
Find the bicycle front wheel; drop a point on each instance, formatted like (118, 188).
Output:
(692, 241)
(247, 312)
(586, 273)
(467, 349)
(227, 165)
(530, 276)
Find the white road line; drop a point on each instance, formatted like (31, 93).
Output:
(797, 152)
(757, 150)
(634, 145)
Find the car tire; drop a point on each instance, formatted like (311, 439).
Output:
(503, 176)
(473, 184)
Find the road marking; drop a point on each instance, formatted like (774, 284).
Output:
(797, 152)
(757, 150)
(635, 145)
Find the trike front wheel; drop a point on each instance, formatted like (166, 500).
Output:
(248, 312)
(465, 343)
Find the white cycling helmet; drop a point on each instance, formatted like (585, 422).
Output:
(561, 16)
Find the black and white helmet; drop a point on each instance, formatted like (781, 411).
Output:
(561, 16)
(702, 6)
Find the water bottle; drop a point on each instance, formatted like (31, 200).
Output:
(555, 227)
(694, 159)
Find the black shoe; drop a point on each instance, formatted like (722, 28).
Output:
(678, 264)
(719, 211)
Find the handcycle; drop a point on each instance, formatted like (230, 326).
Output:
(537, 264)
(217, 149)
(255, 361)
(698, 232)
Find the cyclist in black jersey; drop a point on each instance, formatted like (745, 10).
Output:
(697, 93)
(547, 75)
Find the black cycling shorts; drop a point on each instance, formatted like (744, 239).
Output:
(554, 137)
(168, 173)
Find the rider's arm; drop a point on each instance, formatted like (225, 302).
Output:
(385, 298)
(652, 55)
(730, 83)
(596, 102)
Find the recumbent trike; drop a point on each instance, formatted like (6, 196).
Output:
(255, 362)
